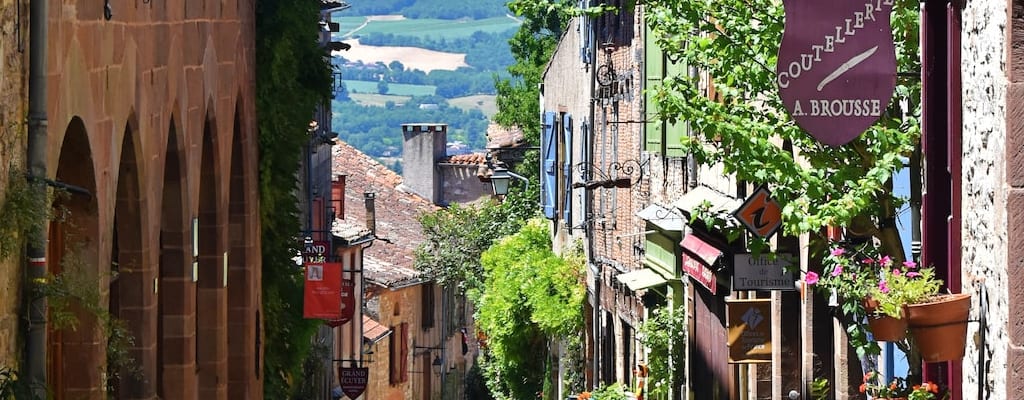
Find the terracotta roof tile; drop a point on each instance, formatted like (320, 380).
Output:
(500, 137)
(467, 159)
(398, 230)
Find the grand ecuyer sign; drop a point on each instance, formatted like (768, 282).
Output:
(837, 66)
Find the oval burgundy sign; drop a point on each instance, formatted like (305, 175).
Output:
(837, 66)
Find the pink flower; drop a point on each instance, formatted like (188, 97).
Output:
(883, 287)
(910, 264)
(867, 261)
(811, 277)
(913, 274)
(837, 270)
(885, 260)
(838, 251)
(896, 272)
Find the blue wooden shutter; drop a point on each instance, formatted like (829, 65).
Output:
(549, 182)
(567, 169)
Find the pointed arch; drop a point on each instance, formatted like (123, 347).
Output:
(211, 294)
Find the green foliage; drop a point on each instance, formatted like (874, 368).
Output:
(820, 388)
(377, 131)
(292, 78)
(664, 333)
(530, 297)
(736, 44)
(397, 89)
(518, 97)
(25, 211)
(904, 285)
(76, 289)
(456, 236)
(615, 391)
(12, 388)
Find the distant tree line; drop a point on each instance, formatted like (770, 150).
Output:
(377, 131)
(450, 84)
(440, 9)
(485, 51)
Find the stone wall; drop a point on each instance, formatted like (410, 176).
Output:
(984, 222)
(13, 109)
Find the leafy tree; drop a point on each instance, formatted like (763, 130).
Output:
(382, 87)
(735, 42)
(292, 78)
(530, 297)
(532, 46)
(664, 334)
(456, 236)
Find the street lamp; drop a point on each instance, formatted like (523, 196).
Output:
(500, 179)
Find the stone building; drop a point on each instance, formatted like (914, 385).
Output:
(13, 128)
(150, 126)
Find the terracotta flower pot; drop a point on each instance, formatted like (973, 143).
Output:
(886, 328)
(939, 327)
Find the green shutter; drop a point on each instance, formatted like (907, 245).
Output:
(654, 70)
(675, 132)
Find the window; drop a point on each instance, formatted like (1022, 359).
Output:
(398, 354)
(427, 305)
(556, 171)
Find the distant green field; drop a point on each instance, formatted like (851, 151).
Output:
(378, 100)
(485, 103)
(397, 89)
(432, 28)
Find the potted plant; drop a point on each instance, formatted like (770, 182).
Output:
(897, 287)
(898, 389)
(848, 276)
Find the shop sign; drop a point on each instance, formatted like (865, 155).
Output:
(348, 302)
(316, 252)
(750, 330)
(353, 380)
(760, 213)
(700, 272)
(762, 273)
(836, 68)
(322, 291)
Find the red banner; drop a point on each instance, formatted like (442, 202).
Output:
(348, 303)
(322, 297)
(353, 381)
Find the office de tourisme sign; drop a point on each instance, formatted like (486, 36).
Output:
(837, 66)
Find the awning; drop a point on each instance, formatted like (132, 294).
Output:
(641, 279)
(704, 251)
(720, 203)
(663, 217)
(373, 331)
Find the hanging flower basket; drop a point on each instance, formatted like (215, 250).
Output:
(939, 326)
(886, 328)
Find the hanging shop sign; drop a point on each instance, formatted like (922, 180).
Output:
(836, 68)
(762, 272)
(315, 252)
(348, 302)
(353, 380)
(697, 258)
(750, 330)
(322, 291)
(760, 213)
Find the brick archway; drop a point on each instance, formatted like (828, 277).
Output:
(132, 287)
(211, 294)
(176, 362)
(72, 369)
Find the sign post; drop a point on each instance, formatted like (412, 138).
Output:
(750, 330)
(353, 380)
(762, 272)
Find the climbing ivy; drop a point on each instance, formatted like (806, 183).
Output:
(292, 78)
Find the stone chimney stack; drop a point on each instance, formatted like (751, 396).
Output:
(424, 146)
(371, 211)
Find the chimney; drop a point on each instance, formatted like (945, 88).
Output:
(371, 212)
(338, 196)
(423, 147)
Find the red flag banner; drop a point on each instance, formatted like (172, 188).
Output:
(348, 303)
(322, 297)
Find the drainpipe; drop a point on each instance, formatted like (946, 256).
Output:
(35, 342)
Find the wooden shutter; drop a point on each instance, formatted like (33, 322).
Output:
(654, 71)
(675, 132)
(567, 169)
(427, 305)
(548, 170)
(403, 363)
